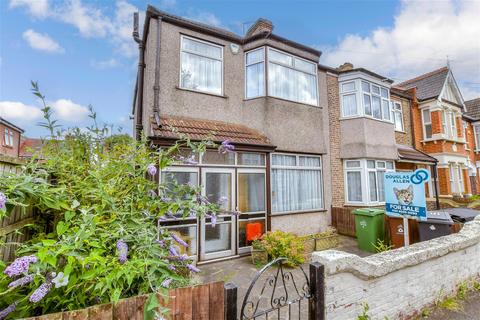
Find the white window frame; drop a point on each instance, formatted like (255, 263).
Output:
(258, 171)
(195, 53)
(365, 182)
(315, 74)
(424, 125)
(264, 61)
(9, 137)
(476, 131)
(298, 167)
(397, 109)
(465, 135)
(349, 93)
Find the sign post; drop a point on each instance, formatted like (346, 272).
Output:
(405, 197)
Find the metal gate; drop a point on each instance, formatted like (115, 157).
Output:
(279, 292)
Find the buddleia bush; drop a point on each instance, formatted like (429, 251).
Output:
(99, 195)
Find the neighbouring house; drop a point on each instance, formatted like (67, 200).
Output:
(29, 146)
(472, 134)
(10, 138)
(439, 129)
(266, 95)
(370, 135)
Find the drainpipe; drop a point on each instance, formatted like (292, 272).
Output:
(437, 201)
(156, 86)
(141, 67)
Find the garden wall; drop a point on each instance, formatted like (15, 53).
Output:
(399, 283)
(201, 302)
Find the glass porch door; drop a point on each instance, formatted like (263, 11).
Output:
(218, 241)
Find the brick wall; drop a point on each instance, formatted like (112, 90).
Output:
(7, 150)
(436, 117)
(389, 282)
(338, 190)
(444, 181)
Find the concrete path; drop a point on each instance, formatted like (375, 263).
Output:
(471, 310)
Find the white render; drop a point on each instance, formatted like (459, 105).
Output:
(399, 283)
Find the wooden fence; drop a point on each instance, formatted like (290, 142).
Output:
(12, 228)
(343, 220)
(202, 302)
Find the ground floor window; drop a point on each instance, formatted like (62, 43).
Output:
(296, 182)
(456, 178)
(364, 180)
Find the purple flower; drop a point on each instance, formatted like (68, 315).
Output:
(160, 242)
(152, 170)
(223, 200)
(60, 280)
(179, 240)
(153, 194)
(166, 282)
(236, 212)
(183, 257)
(21, 282)
(172, 267)
(192, 213)
(19, 266)
(122, 250)
(5, 312)
(193, 268)
(3, 200)
(226, 147)
(172, 251)
(190, 160)
(213, 219)
(41, 292)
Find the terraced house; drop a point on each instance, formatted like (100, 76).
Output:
(264, 93)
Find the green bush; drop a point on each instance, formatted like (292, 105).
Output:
(279, 244)
(102, 195)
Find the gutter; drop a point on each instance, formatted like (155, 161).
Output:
(140, 77)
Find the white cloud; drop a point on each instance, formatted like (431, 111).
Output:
(17, 111)
(90, 21)
(423, 35)
(42, 42)
(37, 8)
(104, 64)
(67, 110)
(204, 17)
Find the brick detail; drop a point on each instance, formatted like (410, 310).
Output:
(436, 117)
(466, 182)
(338, 189)
(459, 124)
(444, 181)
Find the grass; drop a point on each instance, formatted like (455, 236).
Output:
(450, 304)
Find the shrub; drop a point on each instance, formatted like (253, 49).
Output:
(279, 244)
(101, 192)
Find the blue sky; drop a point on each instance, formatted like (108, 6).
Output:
(81, 52)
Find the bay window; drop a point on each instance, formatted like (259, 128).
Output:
(296, 182)
(364, 98)
(289, 77)
(364, 180)
(397, 116)
(201, 66)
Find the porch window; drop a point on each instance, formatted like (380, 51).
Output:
(255, 73)
(296, 183)
(397, 116)
(8, 137)
(364, 180)
(251, 192)
(291, 78)
(201, 66)
(427, 124)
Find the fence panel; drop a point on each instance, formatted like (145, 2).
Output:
(343, 220)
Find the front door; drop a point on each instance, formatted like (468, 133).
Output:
(218, 240)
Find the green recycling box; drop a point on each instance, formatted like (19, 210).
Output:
(370, 227)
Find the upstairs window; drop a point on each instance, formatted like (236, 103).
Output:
(201, 66)
(465, 134)
(292, 78)
(363, 98)
(397, 116)
(8, 137)
(255, 73)
(427, 124)
(476, 131)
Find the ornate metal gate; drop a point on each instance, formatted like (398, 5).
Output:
(279, 292)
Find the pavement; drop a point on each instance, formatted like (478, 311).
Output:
(470, 310)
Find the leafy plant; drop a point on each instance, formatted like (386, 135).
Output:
(364, 315)
(279, 244)
(462, 290)
(381, 246)
(98, 191)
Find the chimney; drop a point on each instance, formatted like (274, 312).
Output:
(345, 67)
(260, 26)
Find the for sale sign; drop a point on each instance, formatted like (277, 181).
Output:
(405, 194)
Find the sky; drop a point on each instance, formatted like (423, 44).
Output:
(82, 53)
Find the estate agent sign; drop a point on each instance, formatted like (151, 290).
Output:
(405, 194)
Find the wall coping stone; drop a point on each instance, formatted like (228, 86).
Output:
(381, 264)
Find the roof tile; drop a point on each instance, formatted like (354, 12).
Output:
(473, 108)
(429, 85)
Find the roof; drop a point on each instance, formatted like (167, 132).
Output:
(217, 131)
(473, 108)
(411, 154)
(373, 74)
(222, 33)
(11, 125)
(429, 85)
(28, 146)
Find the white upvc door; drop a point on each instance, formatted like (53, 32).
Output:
(217, 241)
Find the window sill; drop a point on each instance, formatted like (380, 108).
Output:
(286, 100)
(400, 131)
(296, 212)
(356, 204)
(202, 92)
(365, 117)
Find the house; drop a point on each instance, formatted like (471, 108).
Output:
(262, 92)
(10, 138)
(472, 134)
(370, 135)
(29, 146)
(439, 129)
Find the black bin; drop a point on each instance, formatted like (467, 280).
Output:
(462, 214)
(438, 224)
